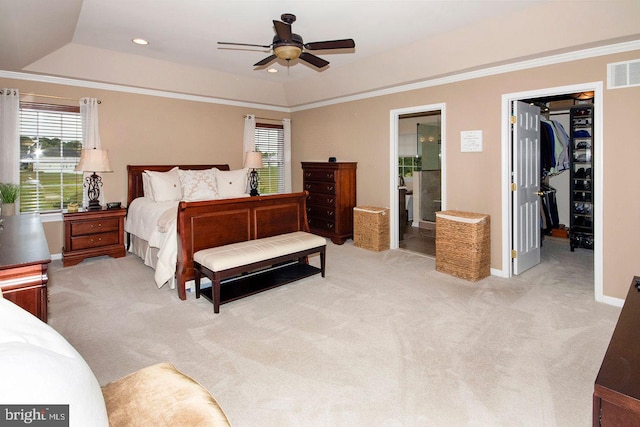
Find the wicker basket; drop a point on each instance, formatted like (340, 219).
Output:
(371, 228)
(463, 244)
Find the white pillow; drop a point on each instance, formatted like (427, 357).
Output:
(232, 183)
(165, 186)
(198, 184)
(39, 367)
(146, 186)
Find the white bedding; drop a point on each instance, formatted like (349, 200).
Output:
(155, 222)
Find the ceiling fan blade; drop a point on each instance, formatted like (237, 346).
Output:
(313, 60)
(283, 30)
(245, 44)
(265, 61)
(331, 44)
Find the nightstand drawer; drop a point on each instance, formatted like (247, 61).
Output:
(81, 228)
(320, 187)
(94, 240)
(320, 175)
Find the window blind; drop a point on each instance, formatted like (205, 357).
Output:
(269, 140)
(50, 147)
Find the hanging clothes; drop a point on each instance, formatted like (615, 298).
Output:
(554, 147)
(549, 207)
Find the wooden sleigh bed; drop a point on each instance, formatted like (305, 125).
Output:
(212, 223)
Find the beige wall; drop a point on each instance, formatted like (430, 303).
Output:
(359, 130)
(140, 129)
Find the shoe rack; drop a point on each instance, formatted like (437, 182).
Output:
(581, 192)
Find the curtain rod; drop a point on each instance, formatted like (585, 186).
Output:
(54, 97)
(265, 118)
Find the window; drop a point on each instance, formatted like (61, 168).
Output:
(269, 140)
(50, 147)
(408, 165)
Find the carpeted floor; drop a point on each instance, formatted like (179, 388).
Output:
(383, 340)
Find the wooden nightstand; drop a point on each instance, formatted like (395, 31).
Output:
(93, 233)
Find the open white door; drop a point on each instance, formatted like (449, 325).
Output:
(525, 186)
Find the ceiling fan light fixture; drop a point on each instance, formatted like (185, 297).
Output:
(287, 52)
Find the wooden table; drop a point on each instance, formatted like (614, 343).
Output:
(24, 259)
(616, 395)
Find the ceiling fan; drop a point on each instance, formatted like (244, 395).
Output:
(289, 46)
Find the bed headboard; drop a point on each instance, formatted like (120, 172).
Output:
(134, 176)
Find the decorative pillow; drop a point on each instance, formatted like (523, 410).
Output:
(198, 184)
(165, 186)
(39, 367)
(146, 186)
(232, 183)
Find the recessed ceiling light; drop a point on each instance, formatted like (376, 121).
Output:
(272, 70)
(139, 41)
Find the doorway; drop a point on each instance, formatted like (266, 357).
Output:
(509, 224)
(417, 176)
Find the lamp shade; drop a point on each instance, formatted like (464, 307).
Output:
(253, 160)
(94, 160)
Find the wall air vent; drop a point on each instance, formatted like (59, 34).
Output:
(623, 74)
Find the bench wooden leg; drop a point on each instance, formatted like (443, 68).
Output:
(196, 278)
(215, 284)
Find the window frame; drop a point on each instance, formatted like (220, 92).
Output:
(280, 156)
(52, 214)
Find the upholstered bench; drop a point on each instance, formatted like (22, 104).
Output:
(253, 256)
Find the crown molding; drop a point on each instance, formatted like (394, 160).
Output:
(135, 90)
(484, 72)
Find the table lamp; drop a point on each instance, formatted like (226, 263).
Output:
(253, 161)
(94, 160)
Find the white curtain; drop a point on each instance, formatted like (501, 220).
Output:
(90, 131)
(90, 136)
(10, 136)
(286, 125)
(249, 138)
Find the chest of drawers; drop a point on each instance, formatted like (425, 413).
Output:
(332, 197)
(93, 233)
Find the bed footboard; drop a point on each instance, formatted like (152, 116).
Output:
(213, 223)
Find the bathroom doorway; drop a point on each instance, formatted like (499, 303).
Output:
(417, 177)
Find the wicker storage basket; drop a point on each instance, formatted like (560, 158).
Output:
(371, 228)
(463, 244)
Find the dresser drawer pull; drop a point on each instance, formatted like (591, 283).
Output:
(99, 225)
(329, 213)
(307, 186)
(330, 175)
(99, 240)
(330, 188)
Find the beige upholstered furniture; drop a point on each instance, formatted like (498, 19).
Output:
(237, 259)
(161, 395)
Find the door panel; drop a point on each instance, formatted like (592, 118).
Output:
(526, 177)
